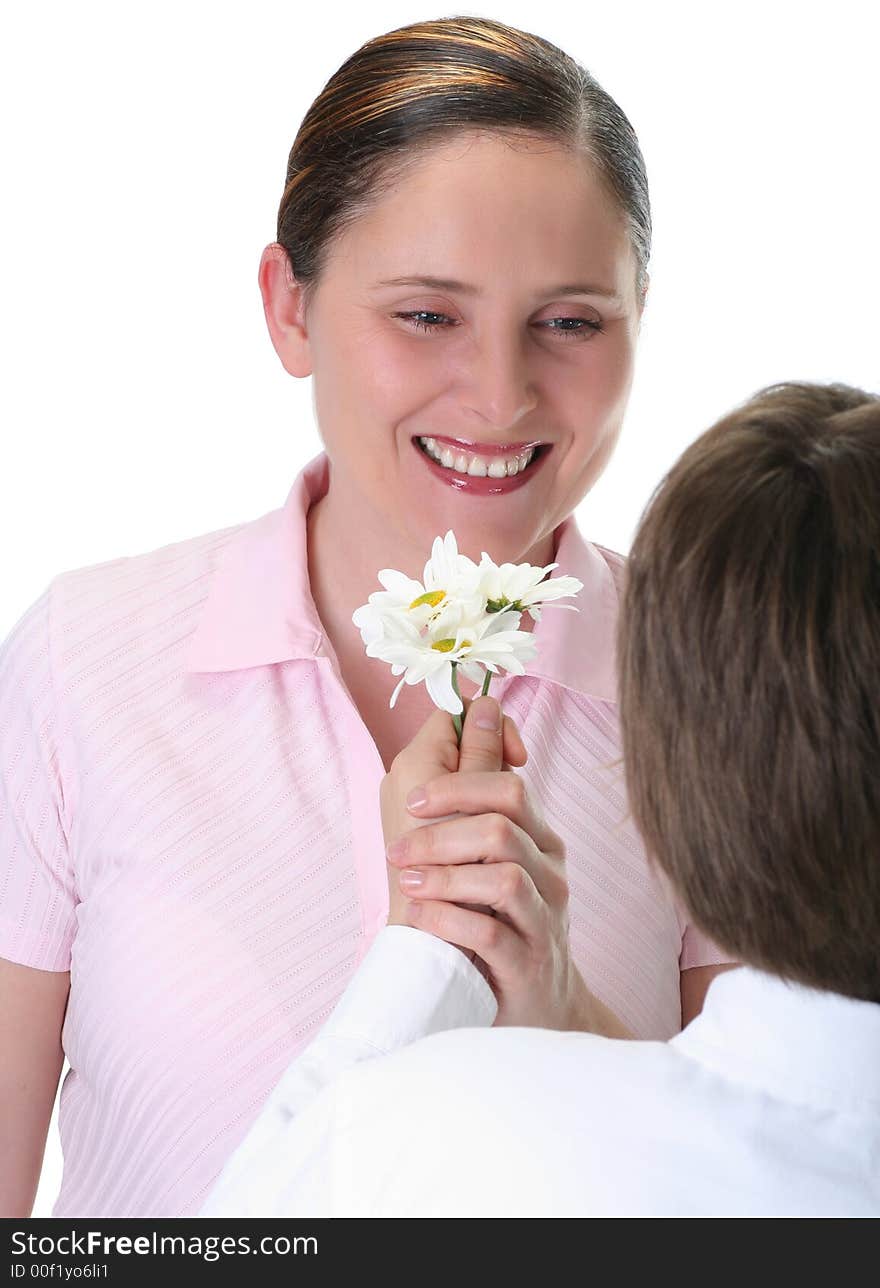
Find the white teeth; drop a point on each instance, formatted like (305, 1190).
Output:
(476, 466)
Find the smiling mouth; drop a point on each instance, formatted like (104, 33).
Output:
(474, 464)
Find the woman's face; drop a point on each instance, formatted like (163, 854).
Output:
(489, 299)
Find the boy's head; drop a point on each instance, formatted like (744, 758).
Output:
(749, 653)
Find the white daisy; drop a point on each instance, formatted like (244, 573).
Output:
(461, 616)
(428, 604)
(490, 642)
(522, 587)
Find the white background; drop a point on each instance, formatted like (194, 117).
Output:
(144, 159)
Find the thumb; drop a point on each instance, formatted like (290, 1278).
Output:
(481, 742)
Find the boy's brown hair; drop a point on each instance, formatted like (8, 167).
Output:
(749, 654)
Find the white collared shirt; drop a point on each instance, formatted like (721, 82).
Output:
(768, 1103)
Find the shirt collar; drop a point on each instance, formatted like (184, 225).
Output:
(260, 609)
(577, 649)
(798, 1044)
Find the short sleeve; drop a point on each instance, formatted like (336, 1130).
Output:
(698, 949)
(37, 889)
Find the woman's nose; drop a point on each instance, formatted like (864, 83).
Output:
(497, 386)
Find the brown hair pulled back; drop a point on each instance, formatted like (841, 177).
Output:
(415, 86)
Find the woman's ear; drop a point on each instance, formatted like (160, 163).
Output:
(284, 307)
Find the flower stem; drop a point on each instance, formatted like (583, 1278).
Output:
(456, 720)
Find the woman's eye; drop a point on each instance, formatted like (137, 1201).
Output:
(566, 327)
(573, 328)
(425, 320)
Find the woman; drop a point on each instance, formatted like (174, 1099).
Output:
(194, 740)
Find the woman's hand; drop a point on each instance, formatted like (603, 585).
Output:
(432, 752)
(492, 880)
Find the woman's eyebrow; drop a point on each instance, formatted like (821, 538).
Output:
(577, 288)
(465, 288)
(437, 283)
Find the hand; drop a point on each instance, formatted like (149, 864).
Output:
(433, 751)
(500, 855)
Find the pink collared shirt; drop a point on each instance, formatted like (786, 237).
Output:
(189, 823)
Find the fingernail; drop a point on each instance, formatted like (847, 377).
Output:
(488, 715)
(417, 798)
(396, 849)
(412, 878)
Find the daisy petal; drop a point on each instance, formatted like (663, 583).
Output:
(474, 671)
(442, 693)
(396, 692)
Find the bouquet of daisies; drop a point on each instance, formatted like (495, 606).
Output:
(462, 615)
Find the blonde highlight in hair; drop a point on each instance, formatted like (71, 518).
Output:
(417, 85)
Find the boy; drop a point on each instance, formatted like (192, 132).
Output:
(749, 649)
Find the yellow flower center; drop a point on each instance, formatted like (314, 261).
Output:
(432, 597)
(446, 646)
